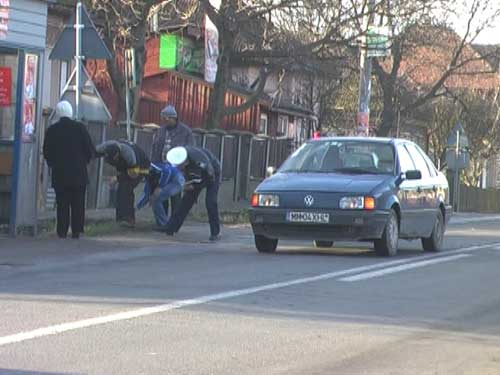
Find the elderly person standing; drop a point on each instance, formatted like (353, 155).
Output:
(172, 133)
(68, 149)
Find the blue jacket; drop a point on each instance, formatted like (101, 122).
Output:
(160, 175)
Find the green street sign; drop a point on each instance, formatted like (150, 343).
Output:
(377, 41)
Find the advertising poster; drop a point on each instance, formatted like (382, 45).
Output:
(4, 18)
(29, 98)
(211, 46)
(5, 87)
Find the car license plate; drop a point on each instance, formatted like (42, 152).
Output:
(308, 217)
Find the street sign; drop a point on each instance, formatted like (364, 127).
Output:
(457, 149)
(92, 46)
(377, 41)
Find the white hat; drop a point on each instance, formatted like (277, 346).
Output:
(177, 156)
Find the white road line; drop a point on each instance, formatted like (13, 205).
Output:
(404, 267)
(146, 311)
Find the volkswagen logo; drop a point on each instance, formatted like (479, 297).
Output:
(309, 200)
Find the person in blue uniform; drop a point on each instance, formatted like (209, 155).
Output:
(163, 181)
(202, 171)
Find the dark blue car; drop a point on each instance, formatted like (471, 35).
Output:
(355, 189)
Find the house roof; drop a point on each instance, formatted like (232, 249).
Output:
(425, 64)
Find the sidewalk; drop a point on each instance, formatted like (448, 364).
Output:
(48, 251)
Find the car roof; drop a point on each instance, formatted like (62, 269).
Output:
(364, 139)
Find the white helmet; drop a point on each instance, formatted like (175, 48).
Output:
(177, 156)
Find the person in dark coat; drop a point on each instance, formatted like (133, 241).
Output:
(172, 133)
(201, 171)
(132, 165)
(68, 149)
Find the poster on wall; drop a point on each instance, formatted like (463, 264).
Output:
(211, 46)
(5, 86)
(4, 18)
(29, 98)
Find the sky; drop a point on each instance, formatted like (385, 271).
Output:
(490, 35)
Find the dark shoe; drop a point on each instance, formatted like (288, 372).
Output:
(75, 236)
(159, 229)
(169, 233)
(62, 236)
(214, 238)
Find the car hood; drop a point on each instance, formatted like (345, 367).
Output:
(322, 182)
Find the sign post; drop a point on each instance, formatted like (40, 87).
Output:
(130, 83)
(457, 158)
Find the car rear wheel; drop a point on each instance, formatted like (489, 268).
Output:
(388, 244)
(265, 245)
(318, 243)
(435, 241)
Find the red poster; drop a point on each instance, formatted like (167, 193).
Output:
(5, 87)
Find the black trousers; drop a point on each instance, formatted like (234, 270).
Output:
(70, 209)
(125, 198)
(189, 199)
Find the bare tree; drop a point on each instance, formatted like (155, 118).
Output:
(426, 48)
(275, 34)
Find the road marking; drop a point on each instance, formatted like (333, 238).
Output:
(404, 267)
(146, 311)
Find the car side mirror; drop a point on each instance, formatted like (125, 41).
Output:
(413, 175)
(409, 175)
(270, 171)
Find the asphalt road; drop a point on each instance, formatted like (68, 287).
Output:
(137, 305)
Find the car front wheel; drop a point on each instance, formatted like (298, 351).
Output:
(318, 243)
(435, 241)
(265, 245)
(388, 244)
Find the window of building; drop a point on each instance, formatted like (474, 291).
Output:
(263, 124)
(8, 90)
(282, 130)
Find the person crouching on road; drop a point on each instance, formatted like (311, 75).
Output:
(132, 165)
(163, 182)
(202, 171)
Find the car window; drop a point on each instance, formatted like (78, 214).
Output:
(339, 156)
(430, 164)
(419, 160)
(405, 161)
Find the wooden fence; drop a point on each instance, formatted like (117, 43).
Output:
(473, 199)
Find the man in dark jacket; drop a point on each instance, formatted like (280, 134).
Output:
(132, 164)
(68, 150)
(201, 171)
(172, 133)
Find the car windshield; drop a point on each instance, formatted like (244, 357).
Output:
(338, 156)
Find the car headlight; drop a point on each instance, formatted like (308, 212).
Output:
(265, 200)
(357, 203)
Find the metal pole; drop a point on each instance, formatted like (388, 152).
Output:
(457, 182)
(127, 97)
(365, 82)
(78, 57)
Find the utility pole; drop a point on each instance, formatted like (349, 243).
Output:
(78, 58)
(365, 78)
